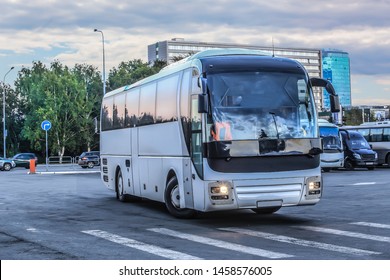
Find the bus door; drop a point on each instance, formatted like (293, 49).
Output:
(196, 137)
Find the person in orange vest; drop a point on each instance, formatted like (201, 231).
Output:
(220, 131)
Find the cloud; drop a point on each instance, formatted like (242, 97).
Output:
(52, 29)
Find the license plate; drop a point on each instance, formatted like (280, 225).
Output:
(369, 163)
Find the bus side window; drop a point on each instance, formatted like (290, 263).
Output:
(107, 113)
(386, 134)
(376, 134)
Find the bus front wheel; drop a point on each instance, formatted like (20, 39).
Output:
(172, 201)
(119, 188)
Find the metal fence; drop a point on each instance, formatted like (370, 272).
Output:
(64, 161)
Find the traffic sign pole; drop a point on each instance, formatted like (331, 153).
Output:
(46, 125)
(47, 152)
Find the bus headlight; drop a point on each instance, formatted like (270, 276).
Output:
(313, 185)
(220, 190)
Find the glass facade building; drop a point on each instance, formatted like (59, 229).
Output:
(336, 68)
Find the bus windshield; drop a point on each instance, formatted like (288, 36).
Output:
(330, 138)
(256, 105)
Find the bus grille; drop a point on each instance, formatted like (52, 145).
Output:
(250, 192)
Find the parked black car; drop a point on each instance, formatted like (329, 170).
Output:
(89, 159)
(23, 159)
(357, 151)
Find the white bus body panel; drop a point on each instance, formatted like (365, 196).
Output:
(332, 160)
(160, 140)
(253, 190)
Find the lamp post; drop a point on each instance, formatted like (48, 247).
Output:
(104, 63)
(4, 130)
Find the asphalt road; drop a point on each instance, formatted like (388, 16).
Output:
(72, 216)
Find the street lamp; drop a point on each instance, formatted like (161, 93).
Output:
(4, 130)
(104, 63)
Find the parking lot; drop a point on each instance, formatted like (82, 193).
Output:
(67, 213)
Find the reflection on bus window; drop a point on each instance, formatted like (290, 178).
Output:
(245, 108)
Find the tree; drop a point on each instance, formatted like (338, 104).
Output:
(353, 116)
(181, 56)
(69, 98)
(132, 71)
(89, 78)
(14, 121)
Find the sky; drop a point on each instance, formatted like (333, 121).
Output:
(49, 30)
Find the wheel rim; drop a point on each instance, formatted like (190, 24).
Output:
(120, 185)
(90, 164)
(7, 167)
(175, 197)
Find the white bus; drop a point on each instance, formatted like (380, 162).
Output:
(223, 129)
(332, 146)
(377, 135)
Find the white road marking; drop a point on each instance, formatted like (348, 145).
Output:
(222, 244)
(152, 249)
(347, 233)
(301, 242)
(375, 225)
(364, 183)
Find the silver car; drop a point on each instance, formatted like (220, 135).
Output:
(6, 164)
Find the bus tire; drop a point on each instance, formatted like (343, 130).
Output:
(265, 211)
(172, 201)
(120, 187)
(348, 164)
(388, 160)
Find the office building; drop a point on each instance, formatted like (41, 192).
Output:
(336, 68)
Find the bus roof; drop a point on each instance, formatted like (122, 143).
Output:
(193, 60)
(325, 123)
(375, 123)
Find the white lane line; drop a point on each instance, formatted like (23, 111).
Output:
(347, 233)
(222, 244)
(375, 225)
(301, 242)
(152, 249)
(364, 183)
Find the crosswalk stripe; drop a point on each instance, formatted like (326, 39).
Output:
(152, 249)
(347, 233)
(221, 244)
(301, 242)
(375, 225)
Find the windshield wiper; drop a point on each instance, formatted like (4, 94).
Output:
(276, 125)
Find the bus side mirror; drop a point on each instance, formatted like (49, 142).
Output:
(334, 103)
(334, 98)
(203, 103)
